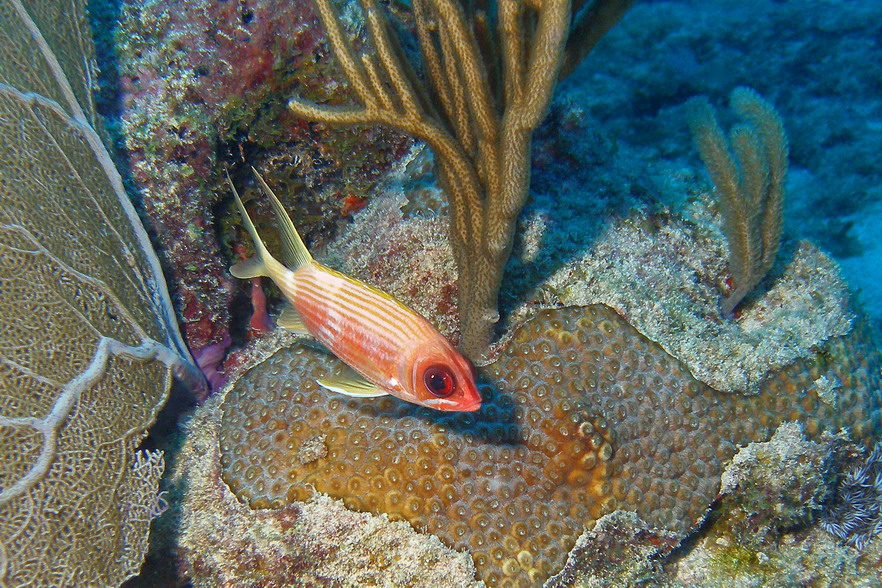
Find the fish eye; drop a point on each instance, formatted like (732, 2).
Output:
(439, 380)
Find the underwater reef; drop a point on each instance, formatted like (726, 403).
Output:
(635, 429)
(584, 416)
(615, 402)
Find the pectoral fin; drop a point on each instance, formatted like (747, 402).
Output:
(353, 385)
(290, 319)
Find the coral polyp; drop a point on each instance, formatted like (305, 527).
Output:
(586, 416)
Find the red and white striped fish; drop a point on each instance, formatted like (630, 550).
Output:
(393, 349)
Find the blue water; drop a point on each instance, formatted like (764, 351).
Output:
(818, 62)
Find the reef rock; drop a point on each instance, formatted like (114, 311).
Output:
(583, 416)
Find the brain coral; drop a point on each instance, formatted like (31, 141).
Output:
(587, 416)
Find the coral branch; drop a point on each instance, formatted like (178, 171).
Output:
(748, 171)
(49, 425)
(480, 129)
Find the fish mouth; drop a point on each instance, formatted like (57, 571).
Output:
(451, 405)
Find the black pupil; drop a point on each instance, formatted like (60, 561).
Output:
(439, 381)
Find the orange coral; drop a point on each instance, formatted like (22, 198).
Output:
(587, 416)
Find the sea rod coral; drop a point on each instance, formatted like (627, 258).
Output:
(491, 74)
(748, 170)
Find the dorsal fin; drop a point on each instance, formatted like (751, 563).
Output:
(294, 252)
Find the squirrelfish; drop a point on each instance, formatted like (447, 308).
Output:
(392, 349)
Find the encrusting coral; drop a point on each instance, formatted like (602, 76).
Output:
(586, 416)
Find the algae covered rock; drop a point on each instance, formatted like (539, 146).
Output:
(765, 530)
(775, 486)
(89, 343)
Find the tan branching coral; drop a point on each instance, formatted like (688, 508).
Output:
(88, 343)
(491, 75)
(748, 171)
